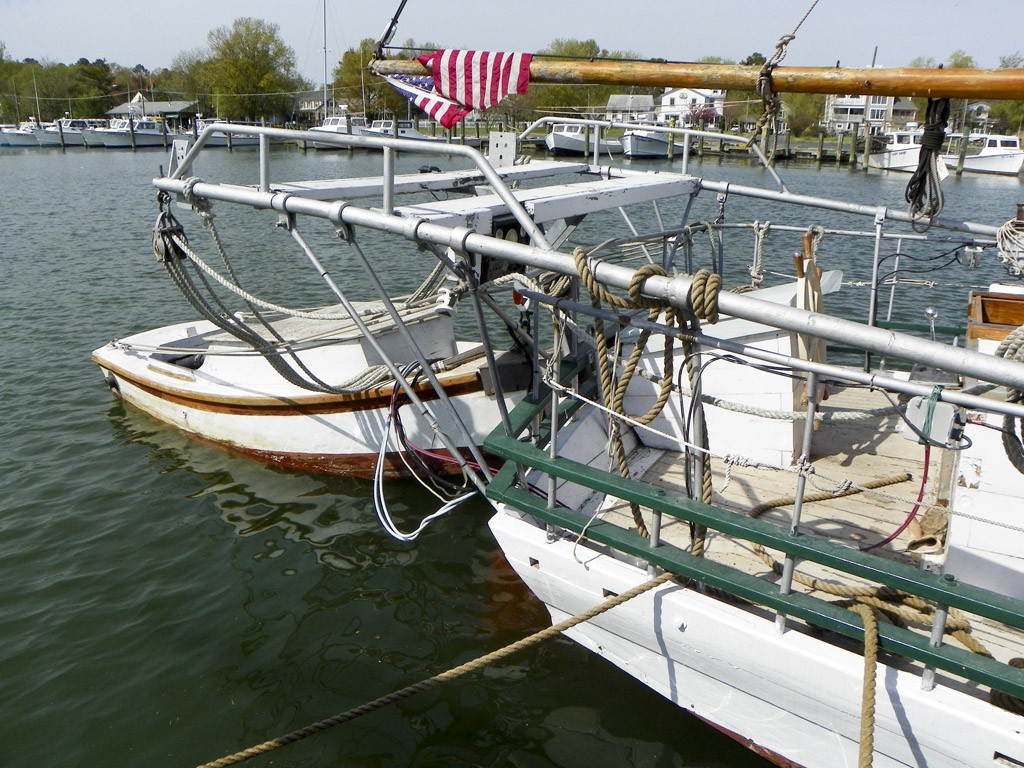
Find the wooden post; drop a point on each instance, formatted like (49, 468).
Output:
(839, 147)
(671, 139)
(867, 143)
(821, 146)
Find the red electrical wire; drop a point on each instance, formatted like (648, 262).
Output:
(913, 512)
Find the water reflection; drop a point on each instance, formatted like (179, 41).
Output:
(291, 639)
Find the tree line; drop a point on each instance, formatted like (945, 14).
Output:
(246, 72)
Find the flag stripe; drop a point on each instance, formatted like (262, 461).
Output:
(446, 112)
(478, 79)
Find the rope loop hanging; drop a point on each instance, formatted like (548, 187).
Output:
(704, 295)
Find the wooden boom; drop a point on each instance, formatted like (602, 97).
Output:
(935, 83)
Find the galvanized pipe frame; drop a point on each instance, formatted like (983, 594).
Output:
(676, 131)
(672, 289)
(832, 372)
(387, 145)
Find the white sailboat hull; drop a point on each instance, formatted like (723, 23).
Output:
(791, 697)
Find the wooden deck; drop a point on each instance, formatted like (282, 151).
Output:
(856, 451)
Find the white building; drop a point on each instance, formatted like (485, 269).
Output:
(630, 108)
(846, 114)
(691, 107)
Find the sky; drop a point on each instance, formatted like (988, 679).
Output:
(153, 33)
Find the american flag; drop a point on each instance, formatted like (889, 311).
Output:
(478, 79)
(419, 90)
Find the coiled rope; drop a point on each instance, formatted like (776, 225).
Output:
(1010, 242)
(924, 190)
(451, 674)
(704, 302)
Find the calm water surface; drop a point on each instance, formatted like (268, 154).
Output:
(165, 603)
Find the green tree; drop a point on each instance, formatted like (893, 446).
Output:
(960, 60)
(1008, 116)
(94, 83)
(742, 107)
(572, 98)
(804, 111)
(959, 119)
(190, 78)
(364, 92)
(253, 70)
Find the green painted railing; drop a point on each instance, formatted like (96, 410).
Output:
(941, 589)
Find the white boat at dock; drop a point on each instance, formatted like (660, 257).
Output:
(901, 153)
(816, 550)
(347, 124)
(578, 138)
(402, 129)
(649, 142)
(24, 135)
(130, 133)
(985, 153)
(67, 132)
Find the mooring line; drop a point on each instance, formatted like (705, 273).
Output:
(451, 674)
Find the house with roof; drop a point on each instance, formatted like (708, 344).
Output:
(630, 108)
(692, 107)
(850, 113)
(180, 112)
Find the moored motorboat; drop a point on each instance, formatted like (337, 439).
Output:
(579, 139)
(985, 153)
(345, 123)
(402, 129)
(66, 132)
(902, 151)
(649, 142)
(130, 133)
(25, 135)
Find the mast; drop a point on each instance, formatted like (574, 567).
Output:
(933, 83)
(39, 114)
(325, 60)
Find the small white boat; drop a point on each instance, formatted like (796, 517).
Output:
(24, 135)
(901, 153)
(134, 132)
(986, 153)
(571, 139)
(345, 125)
(405, 129)
(649, 142)
(66, 132)
(208, 383)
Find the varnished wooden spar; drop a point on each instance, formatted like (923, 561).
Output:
(936, 83)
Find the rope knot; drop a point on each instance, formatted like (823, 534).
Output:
(647, 270)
